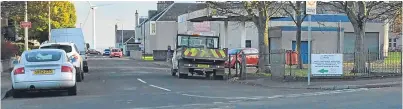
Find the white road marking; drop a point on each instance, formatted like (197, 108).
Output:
(160, 88)
(141, 81)
(282, 96)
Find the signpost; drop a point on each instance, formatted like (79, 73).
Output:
(25, 24)
(327, 64)
(310, 8)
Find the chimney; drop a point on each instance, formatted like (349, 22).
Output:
(137, 18)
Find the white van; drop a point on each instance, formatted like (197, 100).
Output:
(73, 35)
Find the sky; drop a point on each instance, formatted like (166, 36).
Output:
(107, 16)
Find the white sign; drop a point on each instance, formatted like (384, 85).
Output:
(153, 28)
(201, 26)
(327, 64)
(310, 7)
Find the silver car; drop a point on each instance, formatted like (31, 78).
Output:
(43, 69)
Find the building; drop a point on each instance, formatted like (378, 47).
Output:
(128, 37)
(395, 42)
(336, 27)
(159, 30)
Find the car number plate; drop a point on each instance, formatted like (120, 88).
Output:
(43, 72)
(203, 66)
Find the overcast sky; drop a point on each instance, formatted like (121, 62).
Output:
(106, 18)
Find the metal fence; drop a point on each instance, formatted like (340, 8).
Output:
(364, 64)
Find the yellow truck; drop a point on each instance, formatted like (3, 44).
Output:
(198, 55)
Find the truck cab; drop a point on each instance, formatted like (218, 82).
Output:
(198, 55)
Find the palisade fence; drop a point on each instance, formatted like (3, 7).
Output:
(283, 64)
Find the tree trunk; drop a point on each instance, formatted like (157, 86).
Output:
(262, 51)
(360, 55)
(298, 45)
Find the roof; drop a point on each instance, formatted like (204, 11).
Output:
(51, 43)
(178, 9)
(127, 34)
(323, 18)
(305, 28)
(174, 10)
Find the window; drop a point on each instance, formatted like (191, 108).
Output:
(43, 56)
(248, 43)
(390, 44)
(115, 50)
(390, 40)
(233, 51)
(250, 51)
(198, 42)
(394, 39)
(394, 44)
(66, 48)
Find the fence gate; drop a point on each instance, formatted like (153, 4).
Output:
(277, 63)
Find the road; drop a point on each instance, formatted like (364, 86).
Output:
(127, 84)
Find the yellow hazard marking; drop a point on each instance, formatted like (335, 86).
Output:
(194, 51)
(203, 52)
(223, 54)
(214, 53)
(186, 52)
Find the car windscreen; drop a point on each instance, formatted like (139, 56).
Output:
(107, 50)
(251, 51)
(43, 56)
(66, 48)
(115, 50)
(233, 51)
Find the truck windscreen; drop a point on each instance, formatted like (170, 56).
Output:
(198, 42)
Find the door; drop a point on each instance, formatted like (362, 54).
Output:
(303, 52)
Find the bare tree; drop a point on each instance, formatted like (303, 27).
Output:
(260, 13)
(359, 12)
(295, 11)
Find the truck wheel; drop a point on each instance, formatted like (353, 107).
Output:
(184, 76)
(219, 77)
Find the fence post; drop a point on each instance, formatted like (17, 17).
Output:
(229, 66)
(243, 66)
(236, 66)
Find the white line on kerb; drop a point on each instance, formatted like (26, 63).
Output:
(160, 88)
(141, 81)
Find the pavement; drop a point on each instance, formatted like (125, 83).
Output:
(324, 85)
(116, 83)
(5, 83)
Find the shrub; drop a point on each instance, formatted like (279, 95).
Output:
(8, 50)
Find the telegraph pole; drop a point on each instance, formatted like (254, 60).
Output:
(26, 28)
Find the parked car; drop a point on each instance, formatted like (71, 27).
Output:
(93, 51)
(43, 69)
(252, 57)
(72, 53)
(116, 52)
(107, 52)
(73, 35)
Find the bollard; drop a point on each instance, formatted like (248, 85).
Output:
(243, 66)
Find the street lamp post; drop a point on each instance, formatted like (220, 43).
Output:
(49, 27)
